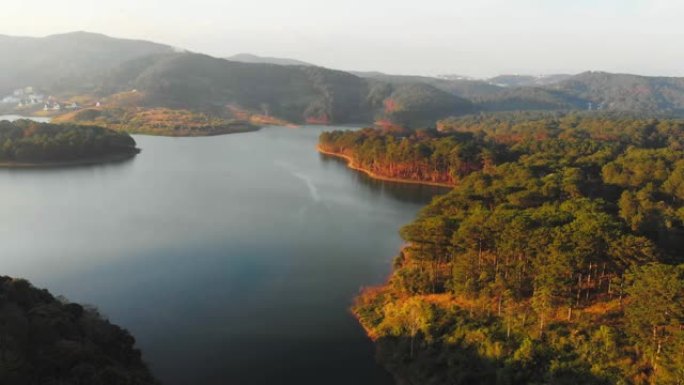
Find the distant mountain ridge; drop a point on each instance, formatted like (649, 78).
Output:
(145, 74)
(598, 91)
(527, 80)
(82, 63)
(57, 62)
(296, 93)
(465, 88)
(250, 58)
(626, 92)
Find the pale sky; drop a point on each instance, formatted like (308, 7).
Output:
(475, 37)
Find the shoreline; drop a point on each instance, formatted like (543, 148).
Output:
(352, 165)
(189, 134)
(69, 163)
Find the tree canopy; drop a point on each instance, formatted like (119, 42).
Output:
(29, 142)
(556, 258)
(44, 340)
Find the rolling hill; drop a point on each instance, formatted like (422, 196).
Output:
(65, 62)
(202, 82)
(465, 88)
(134, 73)
(250, 58)
(300, 94)
(596, 91)
(527, 80)
(626, 92)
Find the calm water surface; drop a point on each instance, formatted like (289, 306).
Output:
(12, 118)
(232, 259)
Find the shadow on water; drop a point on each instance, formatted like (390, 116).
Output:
(66, 168)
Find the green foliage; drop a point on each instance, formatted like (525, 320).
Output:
(423, 155)
(638, 167)
(654, 317)
(158, 121)
(556, 263)
(47, 341)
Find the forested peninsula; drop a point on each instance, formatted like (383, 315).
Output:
(161, 121)
(556, 259)
(423, 156)
(44, 340)
(26, 143)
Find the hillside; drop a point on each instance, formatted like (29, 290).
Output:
(196, 81)
(50, 341)
(596, 91)
(250, 58)
(87, 68)
(415, 105)
(530, 99)
(626, 92)
(527, 80)
(65, 62)
(586, 91)
(295, 93)
(465, 88)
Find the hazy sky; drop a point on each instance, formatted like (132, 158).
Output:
(474, 37)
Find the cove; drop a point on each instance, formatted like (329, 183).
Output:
(231, 259)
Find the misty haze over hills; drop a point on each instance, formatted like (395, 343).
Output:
(233, 182)
(250, 58)
(65, 59)
(87, 63)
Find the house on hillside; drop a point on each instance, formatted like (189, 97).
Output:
(24, 97)
(34, 99)
(52, 105)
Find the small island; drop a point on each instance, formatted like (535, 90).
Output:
(45, 340)
(161, 121)
(25, 143)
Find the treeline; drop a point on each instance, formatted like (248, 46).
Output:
(47, 341)
(298, 94)
(25, 141)
(158, 121)
(561, 263)
(465, 144)
(515, 127)
(423, 155)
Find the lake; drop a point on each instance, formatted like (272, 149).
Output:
(232, 259)
(12, 118)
